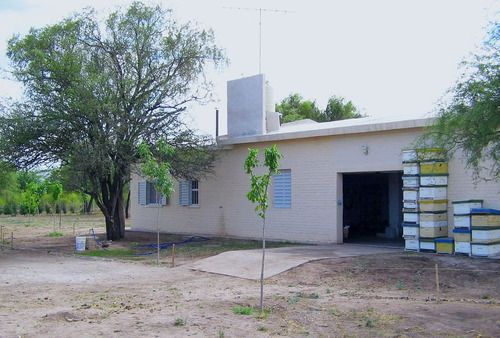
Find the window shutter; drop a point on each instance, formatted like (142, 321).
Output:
(184, 193)
(282, 185)
(142, 192)
(163, 200)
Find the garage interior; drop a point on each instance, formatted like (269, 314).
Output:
(372, 207)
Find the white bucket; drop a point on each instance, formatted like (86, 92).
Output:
(80, 243)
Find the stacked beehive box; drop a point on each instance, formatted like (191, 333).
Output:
(425, 181)
(411, 183)
(462, 224)
(485, 232)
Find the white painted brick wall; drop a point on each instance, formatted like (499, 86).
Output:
(317, 165)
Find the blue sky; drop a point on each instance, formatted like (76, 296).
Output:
(390, 57)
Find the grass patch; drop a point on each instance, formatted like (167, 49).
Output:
(243, 310)
(108, 253)
(209, 248)
(54, 234)
(179, 322)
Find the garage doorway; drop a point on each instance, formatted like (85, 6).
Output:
(372, 207)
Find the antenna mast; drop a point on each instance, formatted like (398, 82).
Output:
(260, 25)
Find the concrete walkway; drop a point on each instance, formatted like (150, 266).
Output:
(246, 263)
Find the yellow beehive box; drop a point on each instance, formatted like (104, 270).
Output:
(462, 235)
(432, 206)
(433, 232)
(433, 216)
(444, 245)
(433, 168)
(431, 154)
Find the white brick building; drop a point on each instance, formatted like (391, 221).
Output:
(336, 173)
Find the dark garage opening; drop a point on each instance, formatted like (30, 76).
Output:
(372, 207)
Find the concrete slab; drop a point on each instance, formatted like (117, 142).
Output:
(246, 263)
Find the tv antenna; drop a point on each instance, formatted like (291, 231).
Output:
(260, 10)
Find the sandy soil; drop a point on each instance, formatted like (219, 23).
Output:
(46, 291)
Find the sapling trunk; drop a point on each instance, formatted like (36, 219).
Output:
(263, 260)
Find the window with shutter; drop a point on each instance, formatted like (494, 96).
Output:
(282, 189)
(188, 192)
(148, 196)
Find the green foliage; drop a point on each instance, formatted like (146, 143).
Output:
(259, 183)
(32, 196)
(54, 234)
(258, 194)
(295, 108)
(158, 171)
(470, 120)
(243, 310)
(336, 109)
(179, 322)
(95, 89)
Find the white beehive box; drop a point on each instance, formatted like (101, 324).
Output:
(410, 195)
(427, 244)
(409, 155)
(410, 217)
(434, 180)
(410, 182)
(411, 244)
(461, 221)
(463, 247)
(465, 207)
(410, 205)
(410, 231)
(432, 193)
(485, 234)
(485, 249)
(411, 169)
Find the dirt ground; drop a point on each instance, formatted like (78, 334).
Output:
(46, 290)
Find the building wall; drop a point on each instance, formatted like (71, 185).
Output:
(316, 165)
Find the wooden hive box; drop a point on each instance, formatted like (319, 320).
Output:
(434, 216)
(433, 232)
(485, 218)
(427, 244)
(485, 234)
(431, 154)
(432, 206)
(433, 168)
(410, 231)
(465, 207)
(462, 235)
(430, 180)
(485, 249)
(432, 193)
(444, 245)
(412, 244)
(461, 221)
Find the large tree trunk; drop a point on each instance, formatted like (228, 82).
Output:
(111, 205)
